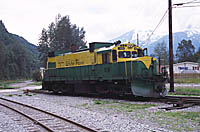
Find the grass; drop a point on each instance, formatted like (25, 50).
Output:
(172, 121)
(13, 81)
(189, 91)
(180, 120)
(5, 84)
(194, 116)
(20, 95)
(103, 102)
(10, 95)
(84, 105)
(36, 83)
(187, 80)
(122, 106)
(128, 106)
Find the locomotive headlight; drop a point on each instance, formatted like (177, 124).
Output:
(130, 46)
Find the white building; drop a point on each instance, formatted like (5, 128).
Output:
(185, 67)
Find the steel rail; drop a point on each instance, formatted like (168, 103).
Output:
(30, 118)
(62, 118)
(184, 99)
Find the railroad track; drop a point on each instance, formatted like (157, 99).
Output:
(169, 99)
(46, 120)
(184, 99)
(180, 102)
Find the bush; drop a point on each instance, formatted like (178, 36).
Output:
(37, 75)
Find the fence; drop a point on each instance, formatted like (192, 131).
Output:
(186, 75)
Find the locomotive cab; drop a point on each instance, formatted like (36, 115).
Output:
(128, 51)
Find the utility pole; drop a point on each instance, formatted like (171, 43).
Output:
(171, 71)
(137, 40)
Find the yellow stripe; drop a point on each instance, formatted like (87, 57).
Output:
(125, 69)
(131, 69)
(146, 60)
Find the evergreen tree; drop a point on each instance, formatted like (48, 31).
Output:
(60, 36)
(3, 61)
(160, 51)
(185, 51)
(78, 36)
(43, 47)
(197, 56)
(63, 34)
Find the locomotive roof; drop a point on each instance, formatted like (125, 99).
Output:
(105, 49)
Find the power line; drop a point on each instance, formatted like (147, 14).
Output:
(178, 5)
(190, 2)
(187, 6)
(194, 1)
(160, 22)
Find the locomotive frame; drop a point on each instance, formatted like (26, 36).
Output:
(105, 68)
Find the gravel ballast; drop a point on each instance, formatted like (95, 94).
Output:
(106, 117)
(7, 124)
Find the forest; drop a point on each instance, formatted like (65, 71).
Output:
(18, 57)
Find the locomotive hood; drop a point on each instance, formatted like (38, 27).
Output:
(147, 60)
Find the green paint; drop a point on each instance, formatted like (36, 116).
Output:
(52, 65)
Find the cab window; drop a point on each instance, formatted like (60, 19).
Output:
(105, 58)
(134, 54)
(114, 55)
(140, 53)
(124, 54)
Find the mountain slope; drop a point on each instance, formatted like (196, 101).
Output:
(18, 57)
(30, 46)
(9, 38)
(177, 37)
(189, 34)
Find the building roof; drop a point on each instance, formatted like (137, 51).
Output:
(182, 63)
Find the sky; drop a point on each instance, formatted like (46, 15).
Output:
(102, 20)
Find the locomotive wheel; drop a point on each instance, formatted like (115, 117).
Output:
(68, 89)
(102, 90)
(55, 89)
(118, 91)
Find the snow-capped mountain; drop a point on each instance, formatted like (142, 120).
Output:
(190, 33)
(131, 36)
(194, 36)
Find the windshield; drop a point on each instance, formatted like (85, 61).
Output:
(134, 54)
(124, 54)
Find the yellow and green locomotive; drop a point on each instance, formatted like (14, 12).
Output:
(105, 69)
